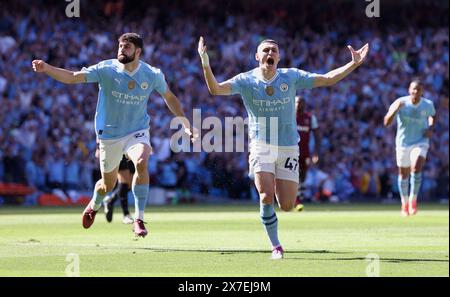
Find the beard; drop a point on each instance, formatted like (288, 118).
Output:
(126, 59)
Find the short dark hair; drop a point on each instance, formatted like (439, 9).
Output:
(417, 81)
(133, 38)
(267, 40)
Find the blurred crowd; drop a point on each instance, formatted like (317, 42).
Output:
(47, 137)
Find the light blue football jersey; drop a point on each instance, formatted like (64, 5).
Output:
(412, 121)
(274, 98)
(123, 96)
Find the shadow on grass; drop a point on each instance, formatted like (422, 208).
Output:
(237, 251)
(386, 260)
(289, 254)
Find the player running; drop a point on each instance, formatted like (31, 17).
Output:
(268, 94)
(123, 186)
(415, 122)
(121, 118)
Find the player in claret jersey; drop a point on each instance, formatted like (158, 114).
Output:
(121, 119)
(306, 124)
(415, 122)
(268, 94)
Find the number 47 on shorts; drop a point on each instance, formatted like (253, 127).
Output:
(291, 164)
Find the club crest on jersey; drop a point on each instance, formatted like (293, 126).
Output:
(144, 85)
(131, 84)
(284, 87)
(269, 90)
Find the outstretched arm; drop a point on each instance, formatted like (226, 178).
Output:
(214, 87)
(395, 107)
(62, 75)
(336, 75)
(174, 105)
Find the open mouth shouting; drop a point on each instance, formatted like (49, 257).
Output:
(270, 61)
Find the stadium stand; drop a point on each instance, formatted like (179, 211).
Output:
(47, 141)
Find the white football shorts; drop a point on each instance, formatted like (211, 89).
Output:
(281, 161)
(408, 155)
(112, 150)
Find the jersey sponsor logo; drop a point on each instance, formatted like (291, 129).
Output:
(414, 119)
(144, 85)
(128, 99)
(131, 84)
(284, 87)
(269, 103)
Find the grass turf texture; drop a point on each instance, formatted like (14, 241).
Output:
(323, 240)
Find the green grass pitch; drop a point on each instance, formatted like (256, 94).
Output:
(323, 240)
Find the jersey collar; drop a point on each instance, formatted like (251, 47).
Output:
(261, 77)
(122, 68)
(418, 103)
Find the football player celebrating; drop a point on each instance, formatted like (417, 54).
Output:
(121, 118)
(268, 94)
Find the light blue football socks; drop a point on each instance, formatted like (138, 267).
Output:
(416, 181)
(403, 188)
(140, 193)
(270, 222)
